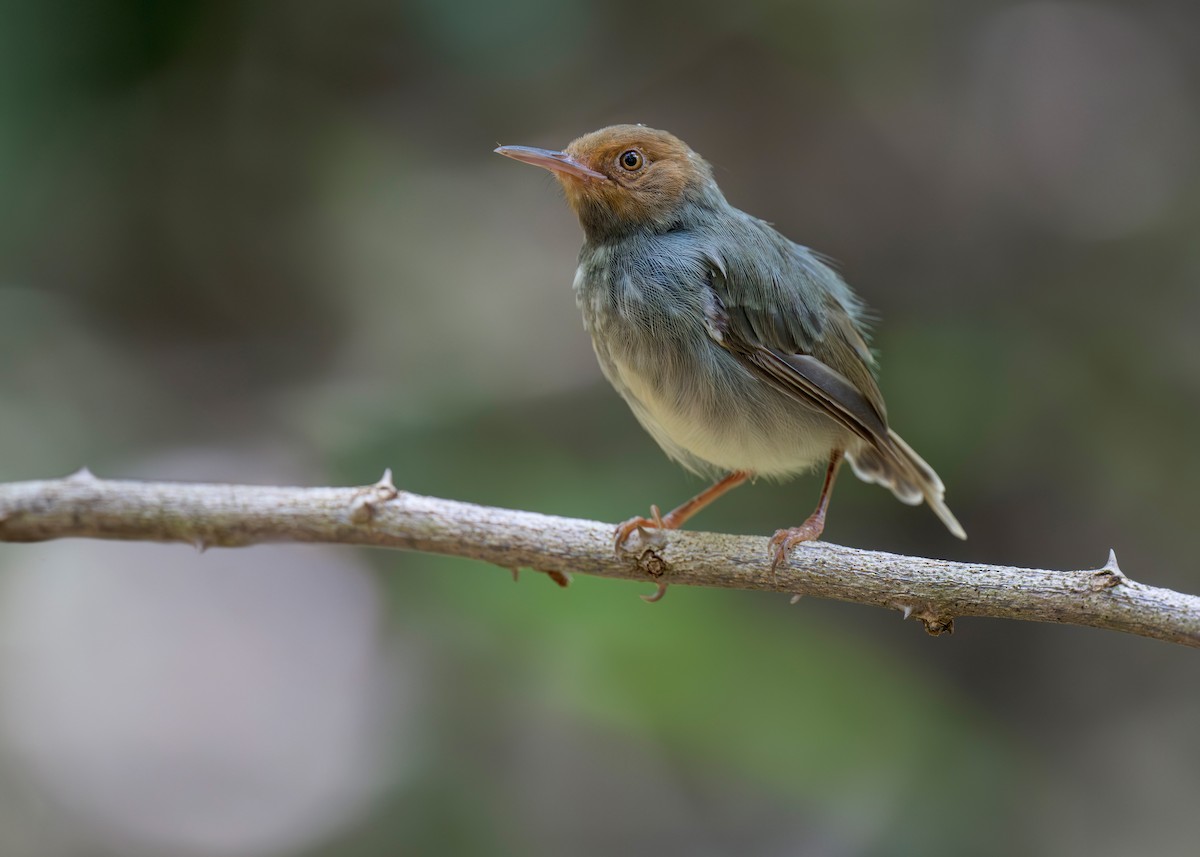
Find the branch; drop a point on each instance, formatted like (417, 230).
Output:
(933, 591)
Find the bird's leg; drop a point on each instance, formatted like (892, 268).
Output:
(675, 519)
(784, 540)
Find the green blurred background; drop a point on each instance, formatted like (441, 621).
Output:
(268, 242)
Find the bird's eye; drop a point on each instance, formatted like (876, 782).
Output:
(631, 160)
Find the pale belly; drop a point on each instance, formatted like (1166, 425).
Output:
(722, 418)
(702, 406)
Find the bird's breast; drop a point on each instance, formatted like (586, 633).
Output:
(648, 288)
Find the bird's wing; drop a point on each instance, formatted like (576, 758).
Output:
(791, 320)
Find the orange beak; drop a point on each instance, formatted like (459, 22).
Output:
(559, 162)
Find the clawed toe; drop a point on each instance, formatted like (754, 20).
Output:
(783, 541)
(657, 595)
(648, 541)
(638, 524)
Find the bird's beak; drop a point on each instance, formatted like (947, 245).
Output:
(559, 162)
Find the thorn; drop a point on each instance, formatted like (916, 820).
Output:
(1108, 575)
(362, 508)
(83, 475)
(905, 609)
(796, 598)
(560, 577)
(385, 483)
(657, 596)
(515, 571)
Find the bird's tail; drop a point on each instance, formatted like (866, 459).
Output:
(895, 465)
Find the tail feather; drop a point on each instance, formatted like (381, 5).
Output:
(898, 467)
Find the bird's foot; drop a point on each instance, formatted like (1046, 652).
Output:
(783, 541)
(641, 525)
(651, 535)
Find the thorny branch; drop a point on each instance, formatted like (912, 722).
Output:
(933, 591)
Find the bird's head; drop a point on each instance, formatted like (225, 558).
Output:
(625, 177)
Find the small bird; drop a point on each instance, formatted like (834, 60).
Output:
(741, 352)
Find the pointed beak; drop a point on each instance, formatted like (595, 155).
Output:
(559, 162)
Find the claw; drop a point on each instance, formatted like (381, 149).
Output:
(640, 524)
(656, 540)
(657, 596)
(783, 541)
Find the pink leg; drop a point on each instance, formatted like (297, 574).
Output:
(784, 540)
(675, 519)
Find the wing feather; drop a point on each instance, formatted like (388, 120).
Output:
(797, 325)
(791, 320)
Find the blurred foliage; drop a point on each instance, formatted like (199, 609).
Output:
(275, 232)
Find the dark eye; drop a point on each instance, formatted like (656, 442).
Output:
(631, 160)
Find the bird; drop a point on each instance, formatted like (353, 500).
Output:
(741, 352)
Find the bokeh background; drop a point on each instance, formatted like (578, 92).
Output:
(268, 242)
